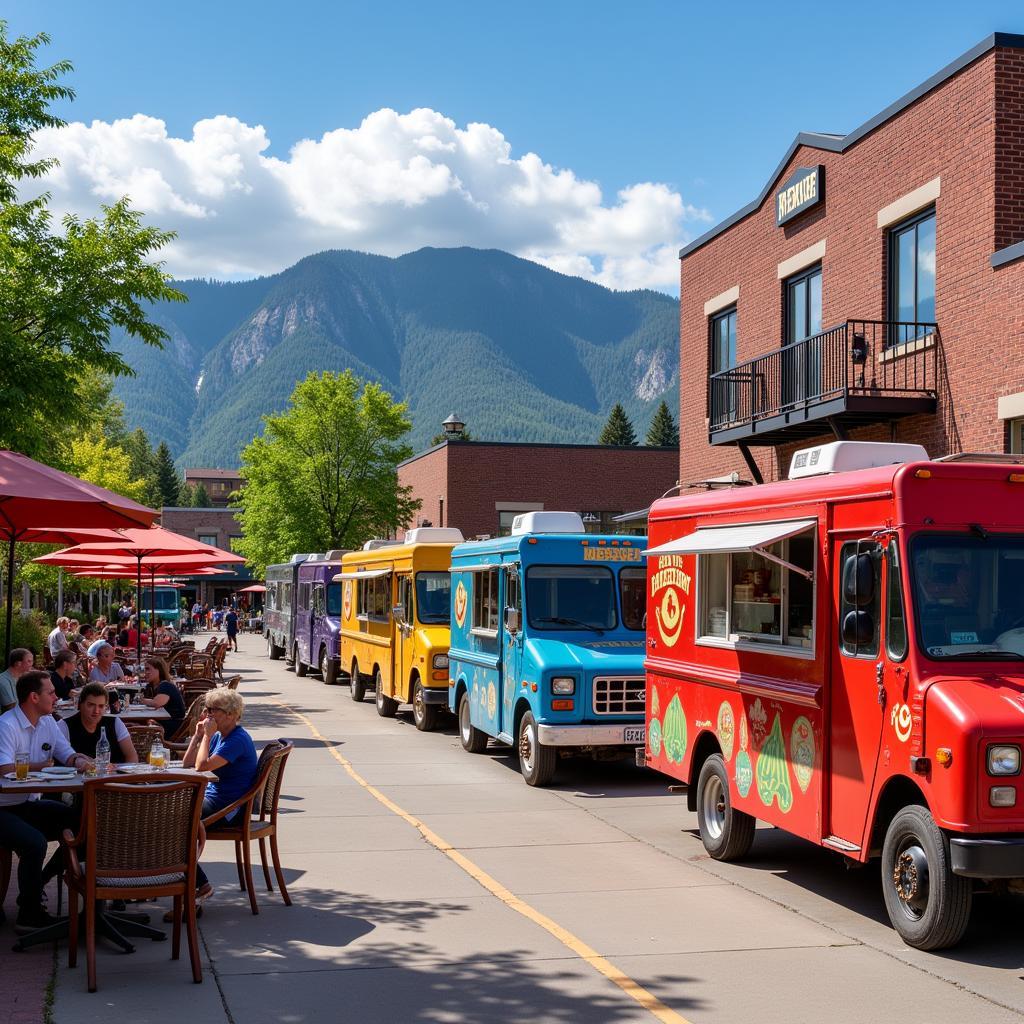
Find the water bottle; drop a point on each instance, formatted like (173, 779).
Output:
(103, 753)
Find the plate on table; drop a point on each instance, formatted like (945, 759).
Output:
(58, 771)
(133, 769)
(32, 776)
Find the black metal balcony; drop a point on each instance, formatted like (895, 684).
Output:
(858, 373)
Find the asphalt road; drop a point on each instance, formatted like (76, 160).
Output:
(434, 885)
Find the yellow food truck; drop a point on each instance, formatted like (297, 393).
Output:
(395, 621)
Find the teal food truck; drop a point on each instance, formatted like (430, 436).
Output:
(547, 642)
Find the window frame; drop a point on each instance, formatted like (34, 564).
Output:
(893, 562)
(744, 642)
(367, 598)
(714, 319)
(805, 275)
(480, 603)
(864, 546)
(597, 568)
(893, 234)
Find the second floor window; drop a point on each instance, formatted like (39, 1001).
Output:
(724, 392)
(912, 276)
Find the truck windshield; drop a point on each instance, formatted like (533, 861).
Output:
(165, 600)
(561, 597)
(433, 594)
(334, 599)
(967, 593)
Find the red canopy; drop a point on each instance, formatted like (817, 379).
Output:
(256, 588)
(156, 541)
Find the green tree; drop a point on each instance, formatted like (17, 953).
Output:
(167, 478)
(663, 432)
(618, 430)
(62, 289)
(200, 497)
(186, 495)
(324, 472)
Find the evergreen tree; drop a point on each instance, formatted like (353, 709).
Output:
(167, 479)
(186, 495)
(663, 432)
(618, 430)
(200, 499)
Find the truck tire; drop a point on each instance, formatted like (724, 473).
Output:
(928, 905)
(726, 832)
(300, 666)
(356, 684)
(386, 706)
(328, 668)
(472, 738)
(424, 715)
(273, 651)
(536, 762)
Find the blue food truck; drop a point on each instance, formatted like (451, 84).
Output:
(547, 642)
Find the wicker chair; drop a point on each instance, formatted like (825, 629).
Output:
(218, 659)
(142, 737)
(193, 689)
(138, 840)
(232, 683)
(199, 666)
(177, 661)
(262, 800)
(178, 743)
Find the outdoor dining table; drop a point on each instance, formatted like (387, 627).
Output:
(132, 713)
(114, 925)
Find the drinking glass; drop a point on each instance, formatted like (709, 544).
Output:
(21, 765)
(157, 759)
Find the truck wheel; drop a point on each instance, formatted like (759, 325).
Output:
(536, 762)
(386, 706)
(356, 684)
(928, 905)
(472, 738)
(273, 651)
(726, 832)
(328, 668)
(423, 714)
(300, 666)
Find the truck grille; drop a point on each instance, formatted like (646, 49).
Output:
(619, 696)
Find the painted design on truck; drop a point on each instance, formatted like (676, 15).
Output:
(461, 603)
(726, 730)
(801, 752)
(670, 586)
(492, 700)
(674, 731)
(772, 773)
(347, 600)
(744, 773)
(901, 721)
(758, 723)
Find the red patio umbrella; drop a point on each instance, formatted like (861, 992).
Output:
(34, 497)
(256, 588)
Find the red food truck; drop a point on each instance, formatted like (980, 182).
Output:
(841, 654)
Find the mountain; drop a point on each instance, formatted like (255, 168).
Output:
(519, 352)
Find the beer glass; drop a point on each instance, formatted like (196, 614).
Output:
(21, 765)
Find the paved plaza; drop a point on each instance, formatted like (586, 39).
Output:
(432, 885)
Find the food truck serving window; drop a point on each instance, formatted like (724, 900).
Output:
(375, 596)
(485, 601)
(755, 582)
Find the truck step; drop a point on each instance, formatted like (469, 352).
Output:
(843, 845)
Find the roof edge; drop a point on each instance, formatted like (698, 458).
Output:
(835, 144)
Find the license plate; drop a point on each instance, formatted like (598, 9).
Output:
(634, 734)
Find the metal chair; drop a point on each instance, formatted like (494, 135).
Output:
(138, 840)
(261, 800)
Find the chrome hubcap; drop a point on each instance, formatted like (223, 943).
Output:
(713, 807)
(464, 722)
(526, 743)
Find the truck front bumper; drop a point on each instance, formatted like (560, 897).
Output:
(987, 856)
(432, 695)
(620, 735)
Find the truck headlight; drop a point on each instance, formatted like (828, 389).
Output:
(564, 686)
(1003, 760)
(440, 661)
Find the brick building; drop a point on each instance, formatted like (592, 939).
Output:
(216, 526)
(872, 290)
(219, 483)
(480, 486)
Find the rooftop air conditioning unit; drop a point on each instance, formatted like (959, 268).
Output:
(303, 557)
(843, 456)
(372, 545)
(547, 522)
(434, 535)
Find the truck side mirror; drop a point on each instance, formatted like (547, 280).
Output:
(859, 580)
(858, 629)
(512, 620)
(398, 611)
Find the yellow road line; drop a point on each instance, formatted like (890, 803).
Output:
(633, 989)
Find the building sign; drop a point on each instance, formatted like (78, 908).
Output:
(804, 189)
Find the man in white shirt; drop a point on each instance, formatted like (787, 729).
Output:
(27, 823)
(57, 640)
(106, 670)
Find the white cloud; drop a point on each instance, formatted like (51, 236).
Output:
(393, 184)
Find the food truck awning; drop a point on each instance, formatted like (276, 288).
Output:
(724, 539)
(360, 574)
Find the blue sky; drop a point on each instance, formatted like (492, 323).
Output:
(701, 99)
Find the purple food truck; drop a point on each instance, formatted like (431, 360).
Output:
(317, 616)
(279, 606)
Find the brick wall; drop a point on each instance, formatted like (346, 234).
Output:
(578, 478)
(951, 133)
(193, 522)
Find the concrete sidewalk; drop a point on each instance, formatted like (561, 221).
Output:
(387, 927)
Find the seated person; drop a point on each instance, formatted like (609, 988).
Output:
(161, 692)
(85, 726)
(80, 642)
(220, 745)
(19, 661)
(57, 640)
(106, 670)
(129, 636)
(64, 673)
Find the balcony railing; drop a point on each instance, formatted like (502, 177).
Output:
(865, 370)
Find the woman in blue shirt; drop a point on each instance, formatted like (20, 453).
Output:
(220, 745)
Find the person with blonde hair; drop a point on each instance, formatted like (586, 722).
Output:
(220, 745)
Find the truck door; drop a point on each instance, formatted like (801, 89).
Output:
(512, 647)
(857, 672)
(314, 619)
(404, 636)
